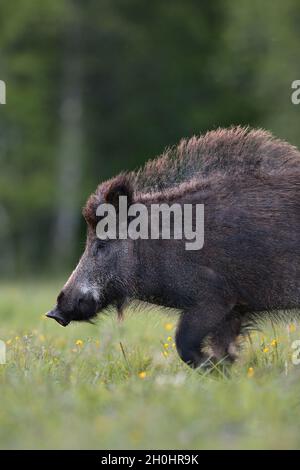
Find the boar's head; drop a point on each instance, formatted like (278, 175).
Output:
(102, 276)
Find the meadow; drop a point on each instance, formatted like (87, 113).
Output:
(122, 386)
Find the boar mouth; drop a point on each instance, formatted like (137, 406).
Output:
(56, 315)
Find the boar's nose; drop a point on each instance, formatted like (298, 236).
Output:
(57, 315)
(87, 305)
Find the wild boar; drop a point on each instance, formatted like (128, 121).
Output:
(249, 266)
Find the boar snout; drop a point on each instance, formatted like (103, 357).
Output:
(75, 307)
(57, 315)
(87, 306)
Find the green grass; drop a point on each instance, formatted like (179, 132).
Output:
(58, 394)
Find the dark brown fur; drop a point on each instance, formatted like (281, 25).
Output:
(249, 183)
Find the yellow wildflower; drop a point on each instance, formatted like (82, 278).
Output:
(292, 328)
(169, 339)
(142, 375)
(250, 372)
(165, 353)
(9, 341)
(79, 343)
(168, 326)
(17, 338)
(274, 343)
(166, 345)
(265, 350)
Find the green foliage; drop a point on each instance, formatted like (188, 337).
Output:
(76, 388)
(146, 75)
(150, 73)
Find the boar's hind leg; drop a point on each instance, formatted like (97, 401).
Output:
(194, 327)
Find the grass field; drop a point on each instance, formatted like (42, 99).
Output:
(75, 388)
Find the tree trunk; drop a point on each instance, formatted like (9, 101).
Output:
(70, 149)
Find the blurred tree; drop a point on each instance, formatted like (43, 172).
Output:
(70, 151)
(95, 87)
(30, 50)
(260, 62)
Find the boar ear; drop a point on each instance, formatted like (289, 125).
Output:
(119, 187)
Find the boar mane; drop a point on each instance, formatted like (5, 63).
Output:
(237, 152)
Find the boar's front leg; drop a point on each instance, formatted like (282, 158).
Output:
(195, 325)
(224, 340)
